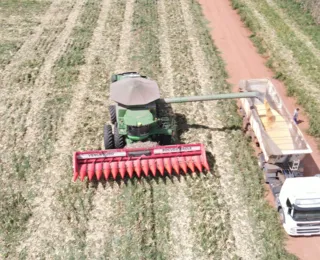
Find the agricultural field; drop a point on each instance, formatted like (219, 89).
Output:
(290, 38)
(313, 6)
(55, 78)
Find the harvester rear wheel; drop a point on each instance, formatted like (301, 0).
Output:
(119, 141)
(108, 137)
(113, 115)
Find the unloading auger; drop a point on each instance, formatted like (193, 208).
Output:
(140, 118)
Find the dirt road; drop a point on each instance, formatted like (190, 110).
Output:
(243, 62)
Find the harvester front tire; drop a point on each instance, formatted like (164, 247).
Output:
(113, 115)
(108, 137)
(119, 141)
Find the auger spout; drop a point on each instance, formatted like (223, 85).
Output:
(254, 94)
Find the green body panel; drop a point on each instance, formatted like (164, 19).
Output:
(138, 117)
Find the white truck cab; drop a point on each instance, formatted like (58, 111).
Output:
(299, 206)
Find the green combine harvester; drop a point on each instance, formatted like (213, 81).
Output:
(141, 117)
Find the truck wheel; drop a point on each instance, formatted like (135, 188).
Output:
(108, 137)
(281, 214)
(113, 115)
(119, 141)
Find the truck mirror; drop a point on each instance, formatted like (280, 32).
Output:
(289, 205)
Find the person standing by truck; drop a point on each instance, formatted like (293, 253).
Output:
(295, 115)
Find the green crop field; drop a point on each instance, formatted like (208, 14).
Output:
(55, 67)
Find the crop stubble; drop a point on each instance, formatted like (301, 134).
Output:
(19, 24)
(291, 23)
(16, 84)
(101, 226)
(37, 180)
(241, 227)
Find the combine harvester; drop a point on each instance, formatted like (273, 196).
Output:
(143, 138)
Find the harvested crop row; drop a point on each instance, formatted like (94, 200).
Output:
(115, 51)
(313, 6)
(64, 234)
(26, 171)
(302, 25)
(15, 106)
(18, 24)
(291, 58)
(211, 228)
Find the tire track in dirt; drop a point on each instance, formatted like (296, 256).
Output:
(239, 220)
(291, 23)
(46, 225)
(45, 76)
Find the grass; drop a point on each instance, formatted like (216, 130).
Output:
(309, 64)
(312, 6)
(302, 19)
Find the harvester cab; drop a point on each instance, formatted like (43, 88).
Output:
(139, 114)
(142, 138)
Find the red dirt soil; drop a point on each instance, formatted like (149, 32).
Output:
(243, 62)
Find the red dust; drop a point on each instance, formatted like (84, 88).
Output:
(243, 62)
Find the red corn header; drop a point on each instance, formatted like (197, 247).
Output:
(130, 161)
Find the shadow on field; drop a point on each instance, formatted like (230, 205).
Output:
(183, 126)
